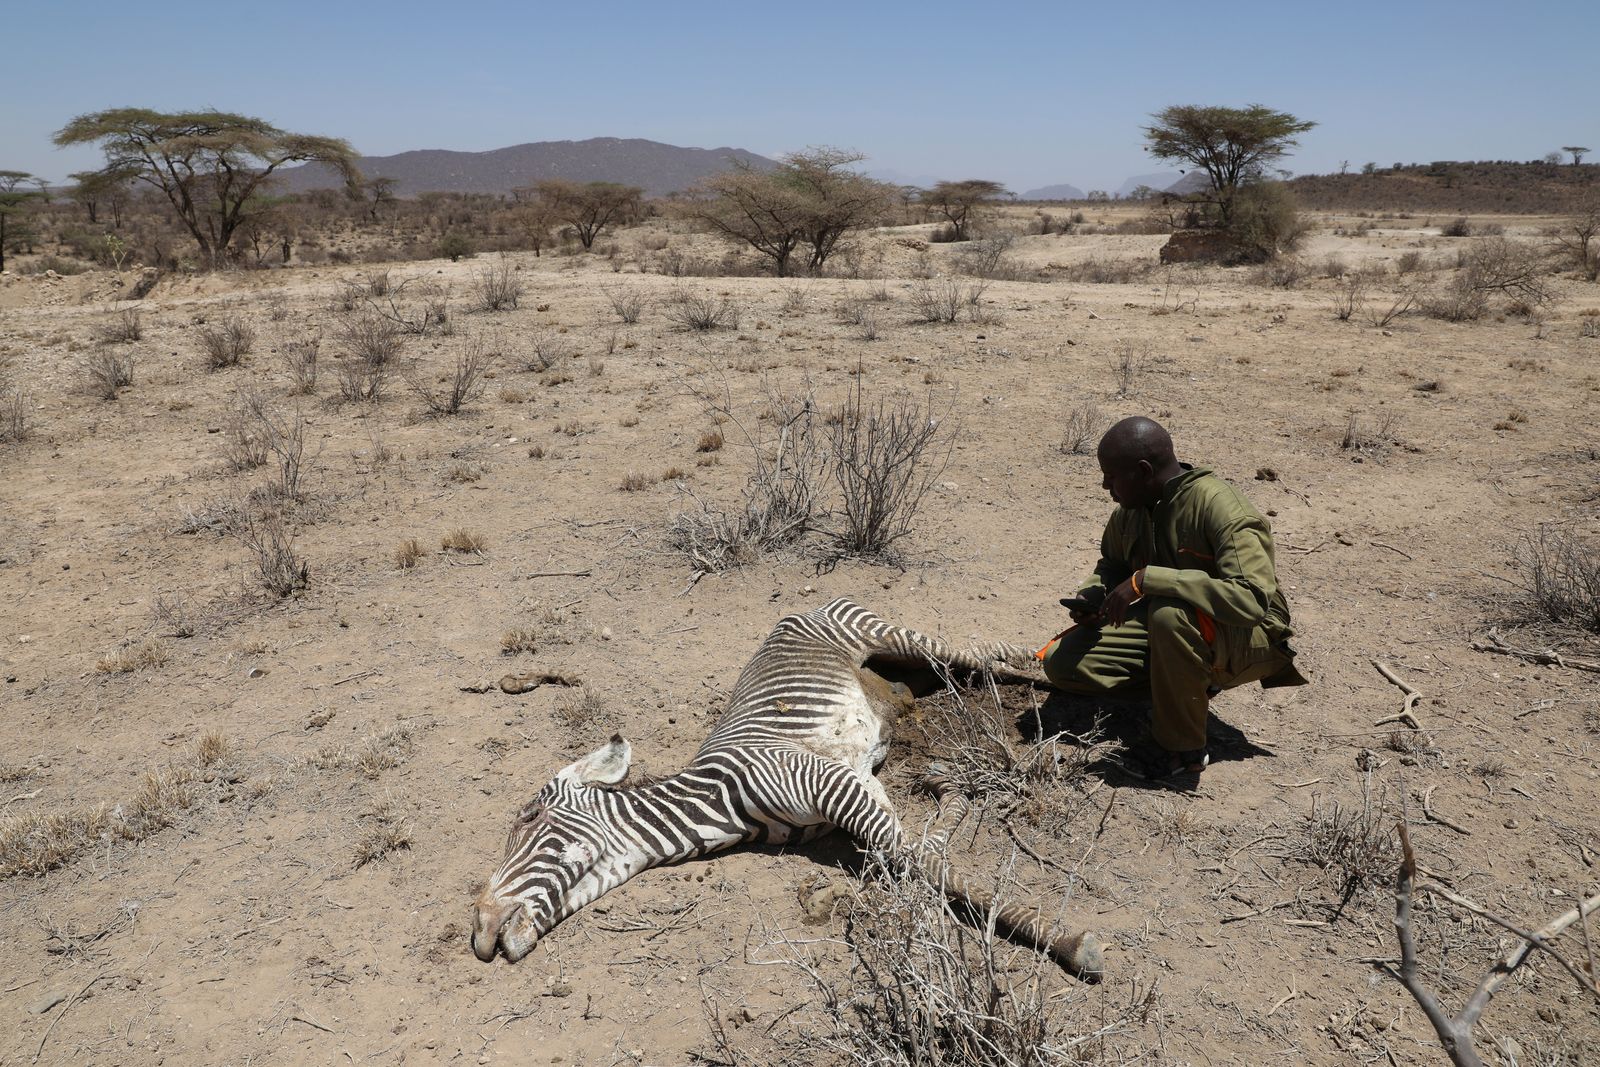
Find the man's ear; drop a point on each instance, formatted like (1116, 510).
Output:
(606, 765)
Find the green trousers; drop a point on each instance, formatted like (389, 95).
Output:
(1160, 649)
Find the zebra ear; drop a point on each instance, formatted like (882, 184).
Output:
(606, 765)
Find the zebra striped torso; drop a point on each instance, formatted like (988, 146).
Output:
(792, 755)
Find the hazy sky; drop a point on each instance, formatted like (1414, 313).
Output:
(1028, 94)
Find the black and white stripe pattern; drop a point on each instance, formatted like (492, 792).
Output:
(791, 757)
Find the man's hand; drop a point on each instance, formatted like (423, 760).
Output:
(1085, 616)
(1115, 610)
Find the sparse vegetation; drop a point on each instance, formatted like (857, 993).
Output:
(498, 288)
(694, 310)
(886, 455)
(226, 343)
(108, 371)
(1081, 430)
(464, 384)
(1560, 578)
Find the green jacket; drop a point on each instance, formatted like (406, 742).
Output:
(1202, 543)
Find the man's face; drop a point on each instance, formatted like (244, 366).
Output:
(1130, 484)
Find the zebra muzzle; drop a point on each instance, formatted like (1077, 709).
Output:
(490, 918)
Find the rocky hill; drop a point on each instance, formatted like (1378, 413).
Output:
(657, 168)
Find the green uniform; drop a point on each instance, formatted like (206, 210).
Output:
(1211, 616)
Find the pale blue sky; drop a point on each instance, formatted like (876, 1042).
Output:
(1028, 94)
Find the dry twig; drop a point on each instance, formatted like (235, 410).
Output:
(1406, 714)
(1548, 657)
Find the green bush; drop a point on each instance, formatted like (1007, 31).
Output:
(1266, 221)
(455, 245)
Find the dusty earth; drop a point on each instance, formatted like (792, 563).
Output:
(249, 932)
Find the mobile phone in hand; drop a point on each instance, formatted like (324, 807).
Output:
(1078, 603)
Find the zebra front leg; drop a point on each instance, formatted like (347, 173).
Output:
(863, 811)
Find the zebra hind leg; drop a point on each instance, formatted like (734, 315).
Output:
(866, 814)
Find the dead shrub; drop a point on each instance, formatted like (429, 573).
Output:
(1103, 271)
(1491, 266)
(176, 615)
(256, 431)
(941, 300)
(886, 454)
(1560, 578)
(1285, 272)
(710, 441)
(464, 384)
(300, 360)
(372, 345)
(1352, 294)
(14, 422)
(122, 328)
(226, 343)
(1081, 429)
(1357, 845)
(1130, 360)
(695, 310)
(549, 348)
(1380, 316)
(497, 288)
(108, 371)
(627, 303)
(263, 531)
(781, 500)
(1375, 437)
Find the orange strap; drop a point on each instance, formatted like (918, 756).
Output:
(1045, 651)
(1208, 626)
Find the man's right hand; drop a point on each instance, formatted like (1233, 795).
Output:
(1083, 611)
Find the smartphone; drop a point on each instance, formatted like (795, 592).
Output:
(1078, 603)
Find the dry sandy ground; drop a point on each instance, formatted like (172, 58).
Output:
(245, 932)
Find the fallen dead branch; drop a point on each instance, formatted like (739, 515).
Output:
(1455, 1031)
(1433, 816)
(1548, 657)
(1407, 714)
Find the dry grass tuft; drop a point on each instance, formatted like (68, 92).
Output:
(519, 639)
(372, 755)
(634, 482)
(710, 441)
(386, 831)
(122, 328)
(584, 713)
(42, 841)
(128, 659)
(461, 539)
(407, 553)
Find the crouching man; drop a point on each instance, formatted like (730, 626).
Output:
(1183, 603)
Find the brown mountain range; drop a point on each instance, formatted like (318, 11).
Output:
(656, 168)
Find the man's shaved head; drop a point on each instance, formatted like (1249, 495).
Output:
(1138, 438)
(1137, 459)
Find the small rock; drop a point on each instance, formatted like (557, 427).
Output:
(257, 672)
(42, 1006)
(1512, 824)
(605, 633)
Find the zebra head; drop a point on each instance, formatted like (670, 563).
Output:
(556, 857)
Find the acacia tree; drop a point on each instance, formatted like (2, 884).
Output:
(589, 207)
(15, 201)
(810, 199)
(210, 165)
(93, 189)
(1234, 146)
(1578, 152)
(957, 201)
